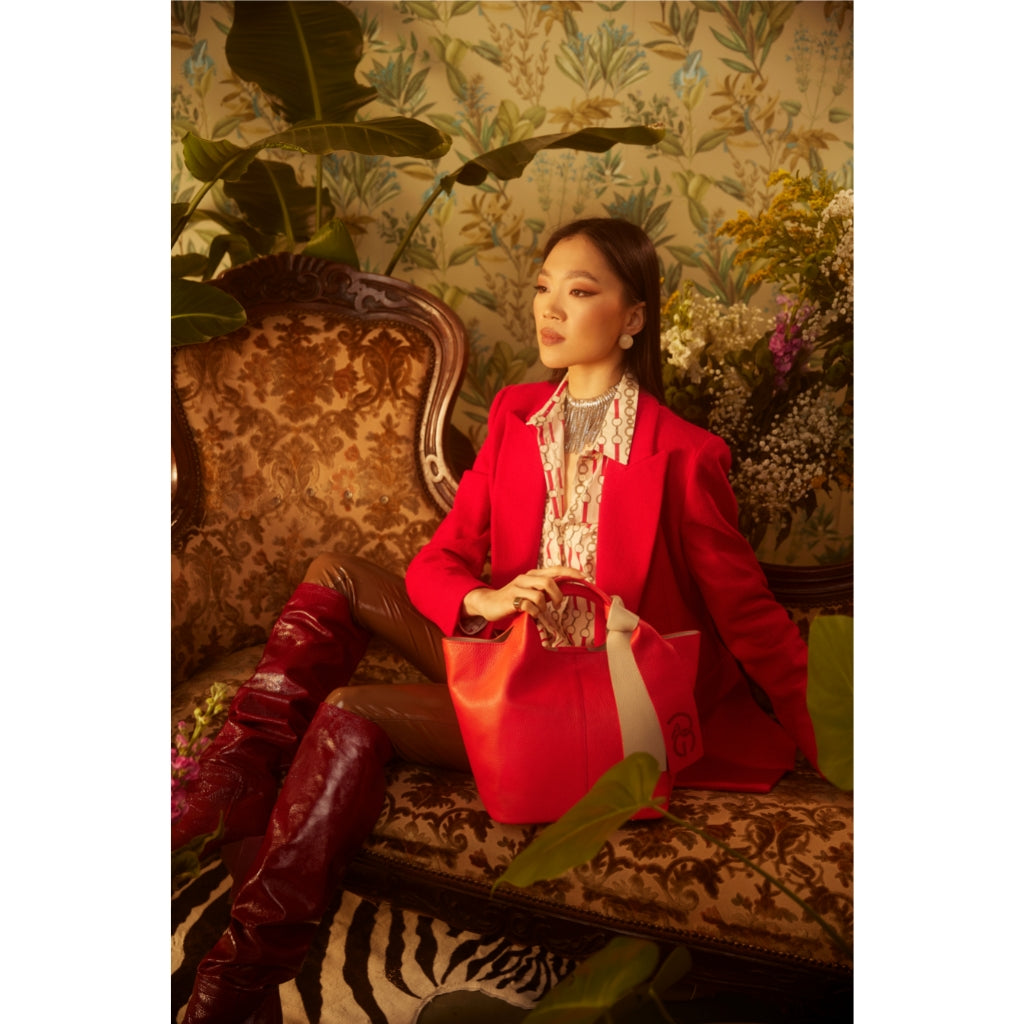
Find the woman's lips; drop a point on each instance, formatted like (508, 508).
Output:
(550, 337)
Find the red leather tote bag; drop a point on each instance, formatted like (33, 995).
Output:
(541, 724)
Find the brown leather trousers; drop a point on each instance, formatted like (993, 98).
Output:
(418, 718)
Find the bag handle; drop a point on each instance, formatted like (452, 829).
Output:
(638, 719)
(582, 588)
(570, 586)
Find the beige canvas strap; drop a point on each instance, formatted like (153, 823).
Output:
(638, 719)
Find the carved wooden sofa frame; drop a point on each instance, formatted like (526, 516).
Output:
(324, 423)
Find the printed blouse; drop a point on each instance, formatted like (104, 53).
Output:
(569, 534)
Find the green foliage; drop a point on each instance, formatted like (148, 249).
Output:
(303, 56)
(615, 985)
(274, 202)
(200, 312)
(577, 836)
(187, 860)
(510, 161)
(598, 983)
(190, 740)
(507, 162)
(830, 695)
(333, 242)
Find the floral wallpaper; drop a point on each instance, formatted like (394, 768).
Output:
(742, 90)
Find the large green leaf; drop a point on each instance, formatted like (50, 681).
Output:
(212, 159)
(237, 247)
(333, 242)
(382, 136)
(830, 695)
(676, 966)
(598, 983)
(190, 264)
(201, 311)
(178, 212)
(206, 265)
(271, 199)
(579, 834)
(259, 243)
(302, 55)
(510, 161)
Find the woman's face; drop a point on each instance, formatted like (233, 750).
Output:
(581, 309)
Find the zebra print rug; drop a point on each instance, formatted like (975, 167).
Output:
(369, 963)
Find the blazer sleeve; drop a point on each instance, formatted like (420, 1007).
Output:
(753, 625)
(452, 562)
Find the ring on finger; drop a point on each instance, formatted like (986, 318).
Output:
(517, 603)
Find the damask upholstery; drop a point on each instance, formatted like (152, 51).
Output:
(316, 427)
(321, 425)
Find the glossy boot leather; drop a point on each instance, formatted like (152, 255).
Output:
(314, 647)
(328, 805)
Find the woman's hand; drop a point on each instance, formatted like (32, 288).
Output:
(534, 592)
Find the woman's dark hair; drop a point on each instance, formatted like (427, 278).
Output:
(632, 256)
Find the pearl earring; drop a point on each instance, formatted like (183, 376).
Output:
(626, 341)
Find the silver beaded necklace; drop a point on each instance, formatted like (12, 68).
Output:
(584, 418)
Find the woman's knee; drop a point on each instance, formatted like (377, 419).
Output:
(353, 700)
(380, 604)
(418, 718)
(337, 697)
(335, 571)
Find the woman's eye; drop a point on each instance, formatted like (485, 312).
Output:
(541, 289)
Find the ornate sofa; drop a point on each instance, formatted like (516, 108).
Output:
(323, 424)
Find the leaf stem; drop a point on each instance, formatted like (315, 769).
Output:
(406, 238)
(178, 228)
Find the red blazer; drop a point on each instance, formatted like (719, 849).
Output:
(668, 545)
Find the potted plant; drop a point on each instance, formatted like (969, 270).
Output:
(303, 56)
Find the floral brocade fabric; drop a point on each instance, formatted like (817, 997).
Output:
(303, 425)
(657, 875)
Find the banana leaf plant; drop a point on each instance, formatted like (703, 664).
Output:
(510, 161)
(303, 56)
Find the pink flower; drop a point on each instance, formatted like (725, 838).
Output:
(179, 802)
(787, 341)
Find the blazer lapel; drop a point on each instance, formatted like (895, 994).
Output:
(518, 519)
(631, 499)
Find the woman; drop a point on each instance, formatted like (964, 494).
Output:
(592, 477)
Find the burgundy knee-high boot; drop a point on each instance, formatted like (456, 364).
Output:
(328, 805)
(314, 647)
